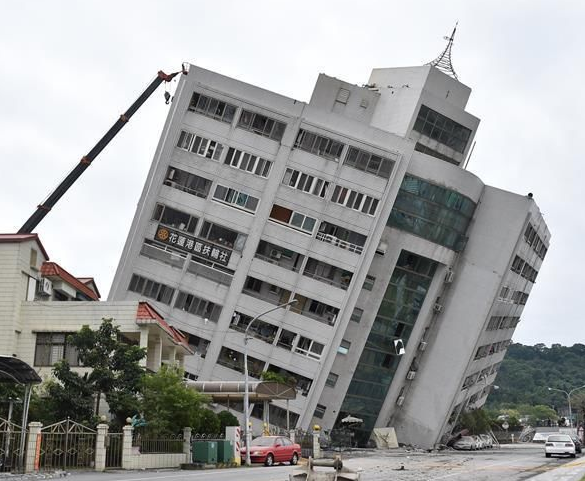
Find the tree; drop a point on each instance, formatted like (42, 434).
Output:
(168, 405)
(226, 419)
(115, 367)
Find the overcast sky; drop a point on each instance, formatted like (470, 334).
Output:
(68, 69)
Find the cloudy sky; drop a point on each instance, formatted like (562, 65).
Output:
(68, 69)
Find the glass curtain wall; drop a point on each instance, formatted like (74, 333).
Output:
(395, 319)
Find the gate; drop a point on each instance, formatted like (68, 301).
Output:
(10, 438)
(305, 439)
(67, 445)
(114, 450)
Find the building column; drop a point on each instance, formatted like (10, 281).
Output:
(100, 447)
(144, 345)
(127, 447)
(157, 354)
(316, 445)
(172, 355)
(187, 445)
(33, 447)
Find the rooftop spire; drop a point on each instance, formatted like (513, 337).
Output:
(443, 61)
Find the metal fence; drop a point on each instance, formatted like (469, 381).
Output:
(305, 439)
(66, 445)
(10, 440)
(114, 446)
(148, 444)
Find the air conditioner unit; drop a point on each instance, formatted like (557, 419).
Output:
(275, 254)
(422, 345)
(44, 287)
(411, 375)
(400, 400)
(438, 307)
(449, 276)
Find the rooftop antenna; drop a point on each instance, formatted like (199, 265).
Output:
(443, 61)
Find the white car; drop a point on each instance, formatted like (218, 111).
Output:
(488, 442)
(466, 442)
(479, 443)
(559, 444)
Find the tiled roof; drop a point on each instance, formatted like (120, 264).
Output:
(14, 238)
(146, 312)
(90, 282)
(52, 269)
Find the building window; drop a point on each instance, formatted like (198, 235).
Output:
(233, 359)
(223, 236)
(519, 297)
(261, 125)
(236, 199)
(52, 347)
(286, 339)
(248, 162)
(293, 219)
(323, 272)
(341, 237)
(331, 379)
(320, 411)
(260, 329)
(319, 145)
(432, 212)
(190, 183)
(214, 108)
(344, 347)
(368, 162)
(199, 345)
(309, 347)
(151, 289)
(354, 200)
(369, 283)
(504, 293)
(533, 240)
(307, 183)
(197, 306)
(199, 145)
(436, 126)
(33, 258)
(356, 315)
(174, 218)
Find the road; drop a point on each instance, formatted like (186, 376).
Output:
(510, 463)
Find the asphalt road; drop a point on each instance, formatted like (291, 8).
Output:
(510, 463)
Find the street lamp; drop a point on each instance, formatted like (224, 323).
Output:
(568, 394)
(247, 433)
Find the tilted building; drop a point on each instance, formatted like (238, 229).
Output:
(409, 273)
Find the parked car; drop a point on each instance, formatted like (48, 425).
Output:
(273, 449)
(479, 444)
(577, 443)
(559, 444)
(488, 442)
(466, 443)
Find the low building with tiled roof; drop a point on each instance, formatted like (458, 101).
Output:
(41, 303)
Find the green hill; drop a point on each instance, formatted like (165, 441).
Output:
(528, 371)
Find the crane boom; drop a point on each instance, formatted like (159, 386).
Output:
(44, 208)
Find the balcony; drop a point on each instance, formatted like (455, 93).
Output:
(321, 236)
(163, 254)
(200, 268)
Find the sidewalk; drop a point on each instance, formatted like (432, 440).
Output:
(573, 471)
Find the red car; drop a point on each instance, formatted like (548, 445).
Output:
(273, 449)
